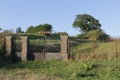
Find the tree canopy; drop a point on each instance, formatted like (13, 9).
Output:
(18, 30)
(40, 28)
(86, 23)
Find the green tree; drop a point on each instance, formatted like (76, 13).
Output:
(18, 30)
(30, 29)
(10, 31)
(86, 23)
(40, 28)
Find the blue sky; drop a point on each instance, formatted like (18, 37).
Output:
(59, 13)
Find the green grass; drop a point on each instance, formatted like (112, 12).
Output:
(59, 70)
(97, 47)
(95, 51)
(108, 47)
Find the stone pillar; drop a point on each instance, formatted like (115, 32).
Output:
(24, 52)
(8, 46)
(64, 47)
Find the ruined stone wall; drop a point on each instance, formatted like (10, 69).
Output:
(47, 56)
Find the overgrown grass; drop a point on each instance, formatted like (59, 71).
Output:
(108, 47)
(100, 50)
(59, 70)
(44, 69)
(2, 44)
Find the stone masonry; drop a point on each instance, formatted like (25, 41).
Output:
(24, 52)
(64, 47)
(25, 48)
(8, 46)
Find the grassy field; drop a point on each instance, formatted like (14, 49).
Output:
(93, 48)
(59, 70)
(87, 46)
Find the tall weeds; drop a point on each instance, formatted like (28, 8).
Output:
(2, 44)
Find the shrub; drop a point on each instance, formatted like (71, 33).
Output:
(81, 36)
(104, 37)
(98, 35)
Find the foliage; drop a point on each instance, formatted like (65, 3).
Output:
(97, 34)
(81, 36)
(19, 30)
(104, 37)
(62, 33)
(2, 44)
(86, 23)
(2, 47)
(40, 28)
(9, 31)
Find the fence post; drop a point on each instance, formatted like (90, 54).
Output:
(116, 44)
(9, 43)
(64, 47)
(24, 52)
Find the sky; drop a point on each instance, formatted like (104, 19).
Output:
(60, 14)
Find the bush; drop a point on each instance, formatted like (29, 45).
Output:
(104, 37)
(94, 34)
(81, 36)
(98, 35)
